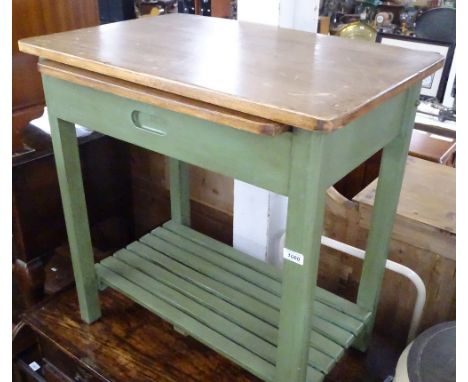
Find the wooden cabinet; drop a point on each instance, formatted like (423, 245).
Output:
(34, 18)
(38, 222)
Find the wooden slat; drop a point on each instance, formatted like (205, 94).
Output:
(192, 281)
(341, 319)
(209, 112)
(179, 310)
(227, 264)
(326, 345)
(223, 249)
(338, 334)
(342, 305)
(323, 296)
(171, 277)
(318, 360)
(187, 305)
(222, 345)
(211, 270)
(247, 303)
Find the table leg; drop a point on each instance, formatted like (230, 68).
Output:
(387, 195)
(67, 160)
(306, 208)
(180, 191)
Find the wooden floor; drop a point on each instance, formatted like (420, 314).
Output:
(131, 344)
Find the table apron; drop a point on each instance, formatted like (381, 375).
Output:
(263, 161)
(350, 146)
(255, 159)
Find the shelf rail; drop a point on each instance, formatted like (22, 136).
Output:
(397, 268)
(392, 266)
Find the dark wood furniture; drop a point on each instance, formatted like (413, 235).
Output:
(38, 222)
(131, 344)
(33, 18)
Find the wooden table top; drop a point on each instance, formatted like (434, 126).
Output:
(302, 79)
(427, 196)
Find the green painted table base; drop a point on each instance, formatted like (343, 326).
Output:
(226, 299)
(280, 326)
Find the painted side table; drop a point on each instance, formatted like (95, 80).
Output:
(289, 111)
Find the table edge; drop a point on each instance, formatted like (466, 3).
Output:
(228, 101)
(158, 98)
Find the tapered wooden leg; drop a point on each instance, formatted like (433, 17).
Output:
(306, 207)
(386, 201)
(180, 191)
(76, 217)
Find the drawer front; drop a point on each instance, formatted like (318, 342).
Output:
(58, 364)
(52, 374)
(260, 160)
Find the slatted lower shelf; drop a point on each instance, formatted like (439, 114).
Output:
(225, 299)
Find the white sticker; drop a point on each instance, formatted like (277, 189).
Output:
(34, 366)
(295, 257)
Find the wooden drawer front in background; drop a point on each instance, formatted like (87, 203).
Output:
(58, 365)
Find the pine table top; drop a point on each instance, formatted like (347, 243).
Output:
(302, 79)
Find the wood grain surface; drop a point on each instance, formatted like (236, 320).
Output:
(129, 343)
(433, 148)
(428, 194)
(35, 18)
(306, 80)
(161, 99)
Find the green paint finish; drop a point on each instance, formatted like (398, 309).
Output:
(177, 271)
(349, 147)
(386, 201)
(67, 160)
(211, 270)
(262, 268)
(258, 295)
(255, 159)
(199, 294)
(223, 249)
(250, 304)
(269, 333)
(227, 264)
(187, 305)
(306, 208)
(192, 326)
(264, 282)
(278, 325)
(179, 180)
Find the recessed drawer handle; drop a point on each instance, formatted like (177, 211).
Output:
(140, 121)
